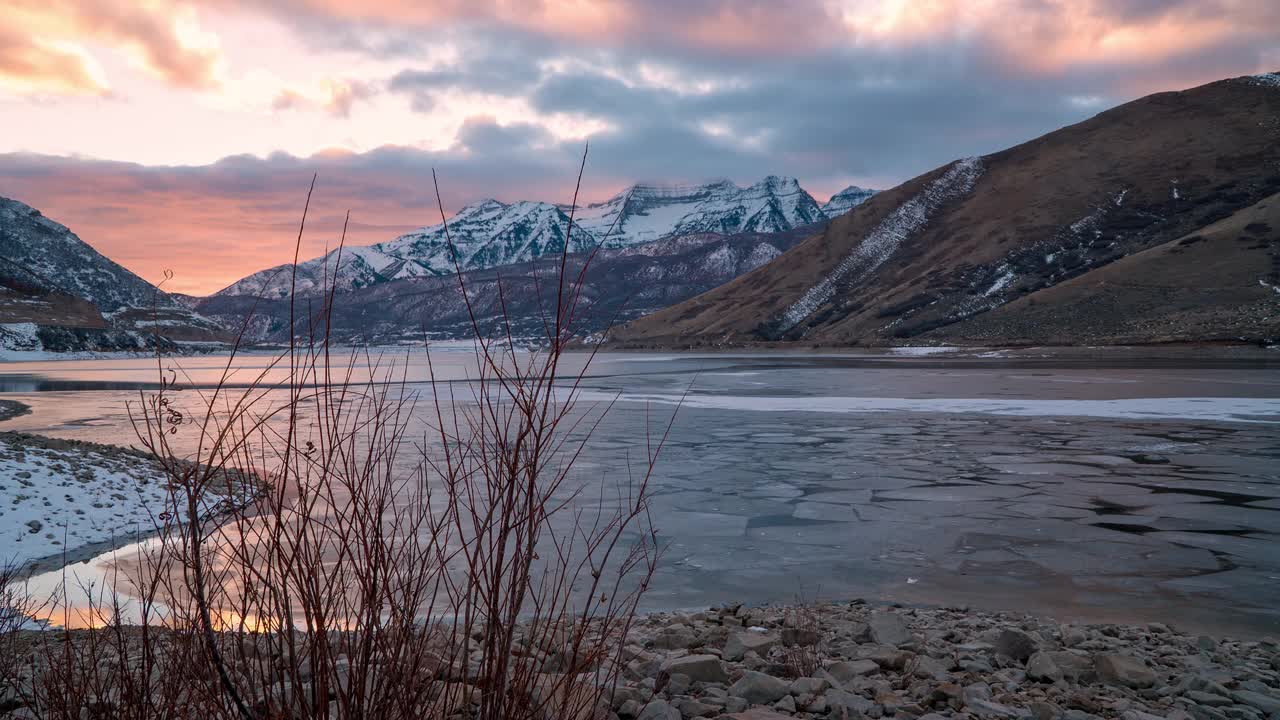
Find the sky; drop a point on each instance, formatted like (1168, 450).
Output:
(183, 136)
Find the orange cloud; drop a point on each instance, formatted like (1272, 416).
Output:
(337, 97)
(1056, 35)
(29, 66)
(160, 36)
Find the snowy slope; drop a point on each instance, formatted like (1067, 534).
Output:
(846, 200)
(643, 213)
(40, 253)
(49, 276)
(490, 233)
(485, 234)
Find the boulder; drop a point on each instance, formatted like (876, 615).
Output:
(841, 701)
(1016, 644)
(1269, 704)
(846, 670)
(888, 629)
(1123, 670)
(699, 668)
(658, 710)
(1041, 667)
(741, 643)
(759, 688)
(676, 637)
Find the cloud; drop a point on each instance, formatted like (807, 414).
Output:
(28, 65)
(242, 213)
(45, 40)
(335, 96)
(499, 97)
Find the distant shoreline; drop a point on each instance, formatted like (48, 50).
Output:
(10, 409)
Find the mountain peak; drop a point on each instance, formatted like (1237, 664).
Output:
(846, 200)
(489, 233)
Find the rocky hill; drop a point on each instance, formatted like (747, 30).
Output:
(620, 284)
(57, 293)
(490, 233)
(1153, 221)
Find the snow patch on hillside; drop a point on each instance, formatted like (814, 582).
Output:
(1264, 79)
(882, 242)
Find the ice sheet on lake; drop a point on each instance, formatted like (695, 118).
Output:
(1209, 409)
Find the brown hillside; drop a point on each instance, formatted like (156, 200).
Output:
(1220, 283)
(937, 251)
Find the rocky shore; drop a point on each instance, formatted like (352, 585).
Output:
(66, 501)
(850, 660)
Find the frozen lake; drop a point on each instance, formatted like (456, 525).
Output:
(1108, 485)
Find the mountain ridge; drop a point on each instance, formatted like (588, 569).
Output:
(490, 233)
(58, 293)
(1041, 213)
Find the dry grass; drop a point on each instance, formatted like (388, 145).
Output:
(413, 552)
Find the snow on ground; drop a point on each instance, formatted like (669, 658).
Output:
(1265, 79)
(57, 496)
(920, 350)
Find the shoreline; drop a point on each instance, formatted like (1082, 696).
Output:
(10, 409)
(108, 488)
(852, 659)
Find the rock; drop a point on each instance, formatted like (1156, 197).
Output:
(931, 668)
(699, 668)
(676, 637)
(846, 670)
(1041, 667)
(990, 709)
(758, 714)
(808, 686)
(786, 705)
(691, 708)
(842, 701)
(1073, 636)
(1016, 644)
(658, 710)
(1206, 643)
(800, 636)
(975, 692)
(1138, 715)
(1269, 704)
(759, 688)
(1124, 670)
(741, 643)
(888, 629)
(1076, 668)
(1210, 699)
(1044, 711)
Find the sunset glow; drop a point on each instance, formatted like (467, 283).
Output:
(152, 126)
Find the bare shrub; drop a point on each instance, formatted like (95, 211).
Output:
(802, 638)
(340, 542)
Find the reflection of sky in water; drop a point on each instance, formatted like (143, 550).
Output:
(1106, 493)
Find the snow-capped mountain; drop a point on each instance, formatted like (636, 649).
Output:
(490, 233)
(40, 253)
(643, 213)
(484, 234)
(846, 200)
(58, 293)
